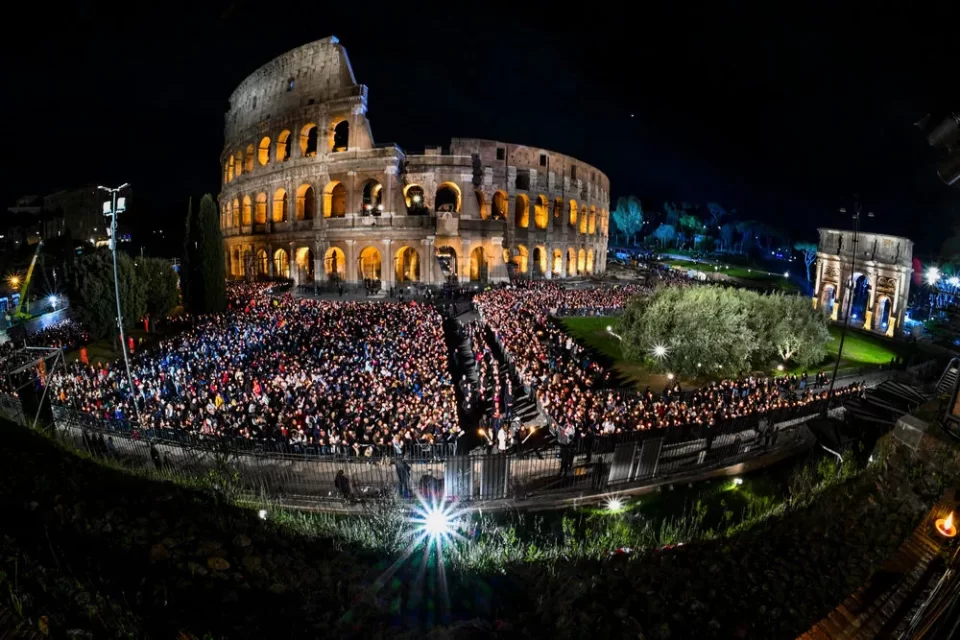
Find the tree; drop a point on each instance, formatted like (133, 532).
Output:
(716, 213)
(726, 236)
(93, 300)
(628, 217)
(665, 234)
(160, 284)
(203, 272)
(809, 251)
(796, 331)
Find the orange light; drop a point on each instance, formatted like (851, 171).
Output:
(945, 526)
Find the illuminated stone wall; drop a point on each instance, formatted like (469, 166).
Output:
(308, 195)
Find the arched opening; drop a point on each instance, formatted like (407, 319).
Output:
(334, 200)
(281, 263)
(263, 154)
(541, 212)
(540, 261)
(261, 212)
(235, 211)
(305, 264)
(573, 213)
(447, 198)
(448, 262)
(583, 221)
(407, 265)
(370, 264)
(247, 216)
(557, 209)
(280, 205)
(581, 262)
(248, 159)
(499, 209)
(478, 265)
(238, 164)
(230, 165)
(521, 259)
(236, 264)
(308, 140)
(341, 136)
(557, 266)
(521, 211)
(592, 223)
(306, 202)
(372, 198)
(882, 320)
(590, 261)
(828, 298)
(283, 146)
(482, 206)
(334, 263)
(413, 196)
(262, 268)
(860, 293)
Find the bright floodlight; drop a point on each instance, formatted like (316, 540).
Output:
(933, 275)
(436, 523)
(669, 376)
(614, 505)
(52, 300)
(263, 514)
(954, 281)
(738, 481)
(660, 351)
(779, 367)
(786, 274)
(609, 327)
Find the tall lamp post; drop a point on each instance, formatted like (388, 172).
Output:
(849, 309)
(111, 209)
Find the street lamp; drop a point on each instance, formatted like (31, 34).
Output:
(111, 209)
(846, 316)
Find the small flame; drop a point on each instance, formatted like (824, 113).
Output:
(948, 525)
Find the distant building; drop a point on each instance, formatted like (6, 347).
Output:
(308, 195)
(73, 213)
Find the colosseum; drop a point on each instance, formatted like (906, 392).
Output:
(308, 195)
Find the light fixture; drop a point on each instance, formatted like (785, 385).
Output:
(609, 328)
(660, 351)
(779, 367)
(954, 281)
(14, 281)
(416, 198)
(737, 482)
(933, 275)
(614, 505)
(669, 376)
(52, 299)
(946, 526)
(262, 513)
(786, 274)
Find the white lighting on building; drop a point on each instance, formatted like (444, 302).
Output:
(932, 276)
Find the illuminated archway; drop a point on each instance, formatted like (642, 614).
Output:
(261, 212)
(372, 197)
(334, 200)
(581, 262)
(263, 153)
(478, 265)
(448, 260)
(247, 216)
(407, 263)
(590, 261)
(283, 146)
(335, 263)
(584, 215)
(521, 259)
(557, 210)
(306, 202)
(309, 134)
(235, 213)
(370, 264)
(280, 205)
(262, 262)
(571, 262)
(882, 319)
(281, 263)
(573, 213)
(499, 209)
(236, 263)
(540, 261)
(305, 264)
(413, 197)
(248, 159)
(592, 221)
(557, 266)
(230, 165)
(447, 198)
(340, 136)
(521, 211)
(482, 206)
(541, 213)
(239, 164)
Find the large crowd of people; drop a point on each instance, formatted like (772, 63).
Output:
(353, 378)
(575, 390)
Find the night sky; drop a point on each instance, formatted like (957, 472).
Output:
(781, 116)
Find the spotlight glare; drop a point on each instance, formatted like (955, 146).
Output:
(263, 514)
(779, 367)
(614, 505)
(609, 327)
(933, 275)
(737, 482)
(660, 351)
(669, 376)
(954, 281)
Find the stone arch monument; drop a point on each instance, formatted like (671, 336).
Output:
(873, 292)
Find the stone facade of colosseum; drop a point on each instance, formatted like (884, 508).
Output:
(308, 195)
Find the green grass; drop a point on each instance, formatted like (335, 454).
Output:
(756, 275)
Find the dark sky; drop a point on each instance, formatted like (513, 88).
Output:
(782, 116)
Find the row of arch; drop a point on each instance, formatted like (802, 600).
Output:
(407, 262)
(281, 149)
(588, 222)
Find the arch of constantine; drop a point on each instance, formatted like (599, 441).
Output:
(874, 291)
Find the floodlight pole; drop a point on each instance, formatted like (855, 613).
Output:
(112, 214)
(849, 309)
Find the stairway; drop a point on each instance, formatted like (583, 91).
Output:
(948, 380)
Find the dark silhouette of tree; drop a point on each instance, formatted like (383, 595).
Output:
(92, 299)
(204, 272)
(160, 284)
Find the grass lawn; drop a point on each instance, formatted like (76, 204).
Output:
(859, 349)
(758, 276)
